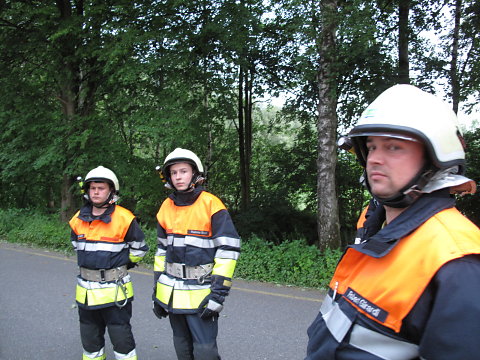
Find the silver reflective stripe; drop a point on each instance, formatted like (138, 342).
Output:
(162, 241)
(227, 254)
(381, 345)
(161, 252)
(179, 284)
(227, 241)
(204, 243)
(337, 322)
(93, 246)
(131, 355)
(91, 285)
(94, 355)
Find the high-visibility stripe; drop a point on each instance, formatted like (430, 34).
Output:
(101, 296)
(199, 242)
(227, 254)
(134, 259)
(97, 355)
(224, 267)
(337, 322)
(381, 345)
(161, 252)
(99, 246)
(162, 241)
(132, 355)
(98, 285)
(159, 264)
(385, 347)
(186, 296)
(227, 241)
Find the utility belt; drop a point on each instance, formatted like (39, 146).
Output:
(199, 273)
(103, 275)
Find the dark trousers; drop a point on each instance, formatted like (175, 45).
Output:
(194, 338)
(116, 320)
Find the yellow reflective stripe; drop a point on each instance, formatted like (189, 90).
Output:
(102, 296)
(184, 296)
(224, 267)
(189, 299)
(97, 355)
(163, 293)
(159, 264)
(134, 258)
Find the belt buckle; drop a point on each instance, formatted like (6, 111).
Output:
(102, 275)
(184, 272)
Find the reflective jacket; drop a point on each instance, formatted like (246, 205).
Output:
(194, 229)
(392, 295)
(107, 241)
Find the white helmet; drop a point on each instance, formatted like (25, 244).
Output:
(102, 174)
(405, 111)
(183, 155)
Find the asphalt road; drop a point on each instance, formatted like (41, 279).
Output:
(39, 319)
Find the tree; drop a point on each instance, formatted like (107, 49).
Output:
(328, 221)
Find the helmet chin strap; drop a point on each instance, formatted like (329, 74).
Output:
(408, 194)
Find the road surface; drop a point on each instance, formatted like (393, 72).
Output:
(39, 319)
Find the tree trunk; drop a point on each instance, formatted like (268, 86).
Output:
(241, 144)
(454, 81)
(67, 209)
(328, 222)
(403, 63)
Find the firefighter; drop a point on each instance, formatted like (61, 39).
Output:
(408, 288)
(198, 248)
(108, 241)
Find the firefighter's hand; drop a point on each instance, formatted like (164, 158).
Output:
(209, 307)
(159, 311)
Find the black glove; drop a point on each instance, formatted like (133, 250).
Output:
(131, 265)
(159, 311)
(210, 306)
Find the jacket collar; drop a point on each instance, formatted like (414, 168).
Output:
(186, 198)
(86, 214)
(378, 242)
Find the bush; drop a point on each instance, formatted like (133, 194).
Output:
(291, 262)
(28, 227)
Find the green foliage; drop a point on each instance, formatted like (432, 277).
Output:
(29, 227)
(469, 204)
(291, 262)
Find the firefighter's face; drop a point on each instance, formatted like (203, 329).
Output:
(392, 163)
(98, 192)
(181, 175)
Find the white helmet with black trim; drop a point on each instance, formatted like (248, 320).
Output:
(406, 112)
(102, 174)
(180, 155)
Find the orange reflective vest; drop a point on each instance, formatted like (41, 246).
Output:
(97, 230)
(98, 236)
(386, 289)
(190, 240)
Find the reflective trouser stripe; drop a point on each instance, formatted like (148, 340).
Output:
(132, 355)
(375, 343)
(97, 355)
